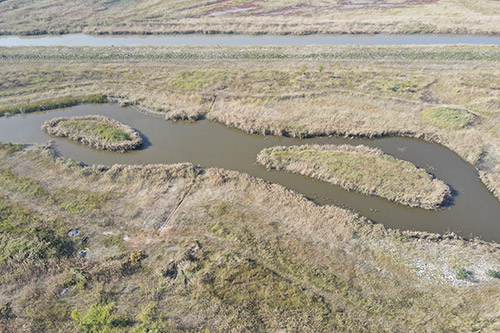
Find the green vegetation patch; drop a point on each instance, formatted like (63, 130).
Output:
(73, 200)
(52, 104)
(199, 79)
(464, 274)
(104, 131)
(360, 168)
(95, 131)
(24, 235)
(445, 117)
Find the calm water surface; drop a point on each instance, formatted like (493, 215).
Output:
(243, 40)
(474, 211)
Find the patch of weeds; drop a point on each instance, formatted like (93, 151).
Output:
(133, 262)
(73, 200)
(101, 317)
(464, 274)
(78, 278)
(493, 273)
(447, 117)
(106, 132)
(52, 104)
(7, 149)
(11, 181)
(79, 201)
(113, 240)
(150, 319)
(23, 235)
(199, 79)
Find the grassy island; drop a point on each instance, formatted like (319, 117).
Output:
(360, 168)
(95, 131)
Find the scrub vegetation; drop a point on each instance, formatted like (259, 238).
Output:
(95, 131)
(293, 91)
(51, 104)
(448, 117)
(360, 168)
(250, 17)
(208, 249)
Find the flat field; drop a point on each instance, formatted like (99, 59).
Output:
(250, 17)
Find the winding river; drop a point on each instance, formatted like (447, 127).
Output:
(474, 211)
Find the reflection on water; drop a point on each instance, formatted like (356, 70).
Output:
(474, 211)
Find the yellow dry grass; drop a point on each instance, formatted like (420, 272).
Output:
(251, 17)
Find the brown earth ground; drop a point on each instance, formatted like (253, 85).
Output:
(250, 17)
(307, 91)
(212, 249)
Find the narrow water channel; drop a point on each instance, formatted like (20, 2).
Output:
(473, 212)
(244, 40)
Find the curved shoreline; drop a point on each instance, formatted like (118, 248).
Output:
(484, 176)
(52, 127)
(356, 168)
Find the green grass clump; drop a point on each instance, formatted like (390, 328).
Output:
(198, 79)
(75, 201)
(106, 132)
(24, 235)
(464, 274)
(449, 118)
(52, 104)
(493, 273)
(101, 317)
(7, 149)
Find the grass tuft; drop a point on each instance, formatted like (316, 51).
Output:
(449, 118)
(52, 104)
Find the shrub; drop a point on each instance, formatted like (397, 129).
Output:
(101, 317)
(464, 274)
(493, 273)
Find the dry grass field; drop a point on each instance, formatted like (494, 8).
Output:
(445, 94)
(250, 17)
(82, 246)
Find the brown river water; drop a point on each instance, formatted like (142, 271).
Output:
(473, 211)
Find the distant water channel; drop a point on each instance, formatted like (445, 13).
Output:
(473, 212)
(244, 40)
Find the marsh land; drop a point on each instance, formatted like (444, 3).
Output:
(207, 248)
(219, 250)
(95, 131)
(250, 17)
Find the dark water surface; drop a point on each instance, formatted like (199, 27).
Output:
(244, 40)
(474, 210)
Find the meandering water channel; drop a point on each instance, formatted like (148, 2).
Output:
(474, 210)
(242, 40)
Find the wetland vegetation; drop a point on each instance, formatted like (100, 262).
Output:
(95, 131)
(207, 249)
(444, 94)
(251, 17)
(360, 168)
(203, 248)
